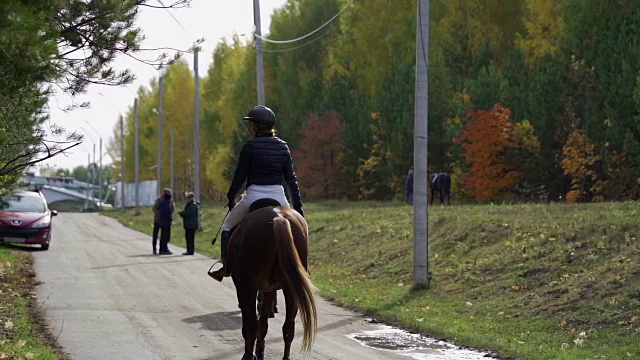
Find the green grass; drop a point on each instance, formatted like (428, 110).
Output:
(528, 281)
(22, 330)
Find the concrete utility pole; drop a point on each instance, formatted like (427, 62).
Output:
(87, 189)
(122, 162)
(96, 180)
(196, 127)
(421, 274)
(171, 163)
(93, 174)
(100, 178)
(160, 124)
(259, 57)
(137, 159)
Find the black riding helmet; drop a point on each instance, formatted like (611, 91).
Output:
(261, 114)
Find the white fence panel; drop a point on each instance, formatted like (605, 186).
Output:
(146, 192)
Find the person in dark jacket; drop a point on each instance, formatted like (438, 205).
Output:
(156, 225)
(165, 218)
(265, 164)
(190, 222)
(156, 219)
(408, 191)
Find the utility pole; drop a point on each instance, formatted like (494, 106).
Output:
(171, 163)
(160, 123)
(87, 189)
(137, 158)
(259, 57)
(97, 180)
(196, 127)
(93, 174)
(122, 162)
(100, 178)
(421, 274)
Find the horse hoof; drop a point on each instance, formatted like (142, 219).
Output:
(249, 357)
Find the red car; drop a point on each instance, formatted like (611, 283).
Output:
(25, 218)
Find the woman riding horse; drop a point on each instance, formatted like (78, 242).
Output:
(265, 163)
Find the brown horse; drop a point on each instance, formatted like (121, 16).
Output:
(268, 252)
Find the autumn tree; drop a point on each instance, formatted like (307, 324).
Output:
(295, 73)
(375, 181)
(179, 115)
(544, 25)
(527, 154)
(579, 163)
(486, 140)
(318, 156)
(228, 92)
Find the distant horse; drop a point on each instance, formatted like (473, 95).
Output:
(441, 183)
(268, 252)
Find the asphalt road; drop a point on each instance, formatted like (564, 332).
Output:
(106, 297)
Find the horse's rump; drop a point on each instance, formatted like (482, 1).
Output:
(441, 182)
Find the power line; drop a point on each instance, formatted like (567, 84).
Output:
(307, 35)
(303, 45)
(170, 14)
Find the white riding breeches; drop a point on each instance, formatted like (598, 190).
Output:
(253, 193)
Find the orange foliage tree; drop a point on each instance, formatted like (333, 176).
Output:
(318, 155)
(486, 140)
(579, 163)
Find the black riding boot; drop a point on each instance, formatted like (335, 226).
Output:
(225, 271)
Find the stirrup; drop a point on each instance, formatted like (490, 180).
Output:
(214, 274)
(219, 274)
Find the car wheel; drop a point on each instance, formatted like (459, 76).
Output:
(44, 246)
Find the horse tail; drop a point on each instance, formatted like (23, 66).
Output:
(297, 280)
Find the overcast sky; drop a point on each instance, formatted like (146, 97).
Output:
(209, 19)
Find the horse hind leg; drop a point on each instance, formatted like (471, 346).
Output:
(288, 328)
(247, 299)
(274, 309)
(263, 322)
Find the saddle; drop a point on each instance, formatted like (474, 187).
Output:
(258, 204)
(264, 202)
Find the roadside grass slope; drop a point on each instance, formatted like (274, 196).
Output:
(23, 332)
(529, 281)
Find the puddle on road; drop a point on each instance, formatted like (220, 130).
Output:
(415, 346)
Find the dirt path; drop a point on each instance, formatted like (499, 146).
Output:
(106, 297)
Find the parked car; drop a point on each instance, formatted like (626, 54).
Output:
(25, 218)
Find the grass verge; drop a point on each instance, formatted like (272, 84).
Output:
(23, 331)
(527, 281)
